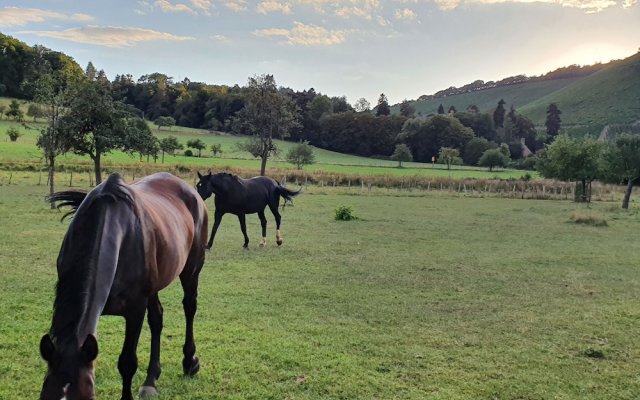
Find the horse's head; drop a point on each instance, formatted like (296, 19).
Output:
(70, 374)
(213, 184)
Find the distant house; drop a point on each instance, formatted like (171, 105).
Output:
(526, 152)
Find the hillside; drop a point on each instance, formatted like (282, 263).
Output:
(610, 96)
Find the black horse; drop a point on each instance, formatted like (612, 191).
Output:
(124, 244)
(244, 196)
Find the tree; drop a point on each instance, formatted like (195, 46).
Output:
(13, 134)
(169, 145)
(449, 156)
(362, 105)
(553, 120)
(473, 109)
(139, 139)
(493, 158)
(197, 144)
(440, 109)
(622, 163)
(216, 149)
(452, 110)
(406, 109)
(383, 106)
(402, 153)
(14, 111)
(165, 121)
(474, 149)
(301, 154)
(2, 109)
(573, 160)
(498, 114)
(267, 115)
(426, 137)
(35, 111)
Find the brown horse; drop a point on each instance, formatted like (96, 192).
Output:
(124, 244)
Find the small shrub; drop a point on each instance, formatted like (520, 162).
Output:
(344, 213)
(526, 177)
(593, 353)
(188, 153)
(592, 219)
(13, 134)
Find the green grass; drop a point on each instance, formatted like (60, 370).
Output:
(25, 150)
(426, 296)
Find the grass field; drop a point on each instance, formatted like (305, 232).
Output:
(424, 297)
(25, 150)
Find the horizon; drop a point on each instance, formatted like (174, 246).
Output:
(355, 48)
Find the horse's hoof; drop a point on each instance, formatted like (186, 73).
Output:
(193, 368)
(147, 391)
(279, 241)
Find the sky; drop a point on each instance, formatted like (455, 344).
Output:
(352, 48)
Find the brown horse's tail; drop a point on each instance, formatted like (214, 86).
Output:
(287, 194)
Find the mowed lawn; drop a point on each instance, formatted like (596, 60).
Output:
(423, 297)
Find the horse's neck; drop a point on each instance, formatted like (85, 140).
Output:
(86, 298)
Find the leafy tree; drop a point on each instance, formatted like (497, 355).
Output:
(216, 149)
(197, 144)
(473, 109)
(622, 163)
(139, 139)
(383, 106)
(13, 134)
(426, 137)
(482, 124)
(169, 145)
(267, 115)
(449, 156)
(320, 106)
(570, 159)
(301, 154)
(498, 114)
(452, 110)
(401, 154)
(512, 114)
(406, 109)
(493, 158)
(14, 111)
(441, 109)
(474, 149)
(35, 111)
(362, 105)
(165, 121)
(340, 104)
(553, 120)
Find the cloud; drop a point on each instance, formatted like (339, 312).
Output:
(203, 5)
(220, 38)
(268, 6)
(166, 6)
(14, 16)
(406, 14)
(109, 36)
(590, 6)
(236, 5)
(305, 35)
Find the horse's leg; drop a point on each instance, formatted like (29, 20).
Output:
(263, 223)
(243, 227)
(128, 361)
(216, 223)
(189, 280)
(154, 318)
(276, 214)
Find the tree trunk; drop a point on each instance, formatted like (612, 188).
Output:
(263, 164)
(163, 157)
(52, 161)
(96, 165)
(627, 194)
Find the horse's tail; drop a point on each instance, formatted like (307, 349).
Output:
(70, 198)
(287, 194)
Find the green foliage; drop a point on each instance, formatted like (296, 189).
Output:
(301, 155)
(426, 137)
(480, 123)
(216, 148)
(493, 158)
(169, 145)
(13, 134)
(498, 114)
(406, 109)
(344, 213)
(197, 144)
(14, 111)
(188, 153)
(35, 111)
(449, 156)
(474, 149)
(553, 120)
(402, 153)
(622, 163)
(588, 218)
(383, 106)
(165, 121)
(362, 105)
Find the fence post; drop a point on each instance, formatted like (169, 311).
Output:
(40, 178)
(71, 179)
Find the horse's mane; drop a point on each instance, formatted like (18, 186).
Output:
(74, 272)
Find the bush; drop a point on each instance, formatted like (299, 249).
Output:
(188, 153)
(592, 219)
(344, 213)
(13, 134)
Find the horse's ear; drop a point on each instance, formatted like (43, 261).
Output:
(199, 175)
(47, 348)
(209, 172)
(90, 348)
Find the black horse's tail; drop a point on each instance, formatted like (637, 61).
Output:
(287, 194)
(71, 198)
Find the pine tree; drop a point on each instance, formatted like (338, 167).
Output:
(383, 106)
(440, 109)
(498, 115)
(553, 120)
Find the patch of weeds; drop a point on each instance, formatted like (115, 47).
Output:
(593, 219)
(593, 353)
(344, 213)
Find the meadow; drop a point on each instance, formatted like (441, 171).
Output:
(425, 296)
